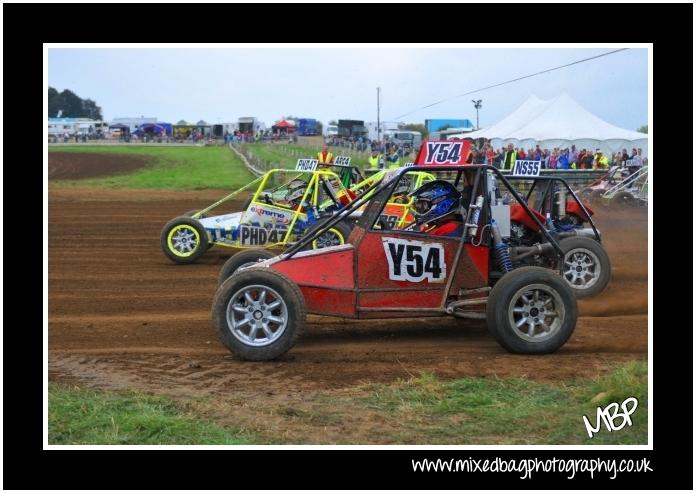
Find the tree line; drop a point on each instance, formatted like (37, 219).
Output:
(70, 105)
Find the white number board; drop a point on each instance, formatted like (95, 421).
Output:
(306, 165)
(415, 261)
(526, 168)
(342, 161)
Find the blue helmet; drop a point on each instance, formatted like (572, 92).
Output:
(435, 199)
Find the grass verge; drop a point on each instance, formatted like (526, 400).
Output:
(512, 411)
(83, 416)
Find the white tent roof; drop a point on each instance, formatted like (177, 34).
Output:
(556, 122)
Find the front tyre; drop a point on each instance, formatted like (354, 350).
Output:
(531, 310)
(258, 314)
(184, 240)
(242, 259)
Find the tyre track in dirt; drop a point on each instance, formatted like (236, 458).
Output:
(122, 315)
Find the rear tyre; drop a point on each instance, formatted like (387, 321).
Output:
(623, 200)
(258, 314)
(596, 197)
(336, 235)
(242, 259)
(184, 240)
(586, 266)
(531, 310)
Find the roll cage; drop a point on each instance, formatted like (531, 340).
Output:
(378, 194)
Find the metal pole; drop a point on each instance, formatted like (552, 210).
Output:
(378, 126)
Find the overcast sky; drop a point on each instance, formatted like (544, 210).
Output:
(220, 85)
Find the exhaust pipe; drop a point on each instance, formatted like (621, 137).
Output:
(519, 253)
(586, 232)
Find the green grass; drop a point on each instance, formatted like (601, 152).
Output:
(175, 168)
(281, 153)
(82, 416)
(512, 411)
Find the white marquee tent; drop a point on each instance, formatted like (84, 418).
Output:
(558, 122)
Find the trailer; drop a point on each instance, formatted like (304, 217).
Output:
(307, 127)
(351, 128)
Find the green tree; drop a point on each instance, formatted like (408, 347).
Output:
(181, 122)
(415, 127)
(643, 129)
(333, 122)
(71, 105)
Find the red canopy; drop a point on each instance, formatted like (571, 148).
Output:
(284, 124)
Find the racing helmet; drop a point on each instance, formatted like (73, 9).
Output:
(434, 200)
(295, 195)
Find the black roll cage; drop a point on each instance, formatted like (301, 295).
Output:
(380, 186)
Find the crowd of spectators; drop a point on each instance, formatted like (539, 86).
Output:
(556, 158)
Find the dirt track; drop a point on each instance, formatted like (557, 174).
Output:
(122, 315)
(75, 165)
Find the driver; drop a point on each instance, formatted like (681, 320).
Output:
(437, 205)
(294, 197)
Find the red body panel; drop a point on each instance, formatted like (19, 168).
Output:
(325, 278)
(326, 269)
(480, 256)
(518, 214)
(572, 207)
(329, 301)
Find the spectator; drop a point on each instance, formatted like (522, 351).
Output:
(509, 158)
(573, 156)
(625, 157)
(562, 162)
(588, 160)
(600, 160)
(536, 154)
(325, 156)
(393, 159)
(490, 155)
(553, 158)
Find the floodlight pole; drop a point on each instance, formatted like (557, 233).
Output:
(477, 105)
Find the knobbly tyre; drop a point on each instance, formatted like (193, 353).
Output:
(273, 217)
(259, 312)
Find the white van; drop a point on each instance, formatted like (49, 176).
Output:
(331, 131)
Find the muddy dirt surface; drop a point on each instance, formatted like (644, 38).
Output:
(122, 315)
(76, 165)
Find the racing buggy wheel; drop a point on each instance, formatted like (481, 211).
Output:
(184, 240)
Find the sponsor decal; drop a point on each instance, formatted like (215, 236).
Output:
(276, 216)
(342, 161)
(306, 165)
(526, 168)
(415, 261)
(408, 165)
(389, 220)
(443, 153)
(254, 235)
